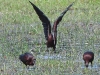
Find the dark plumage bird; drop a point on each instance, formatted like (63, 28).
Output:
(88, 57)
(27, 59)
(50, 33)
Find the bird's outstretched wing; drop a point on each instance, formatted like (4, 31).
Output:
(56, 22)
(61, 16)
(44, 19)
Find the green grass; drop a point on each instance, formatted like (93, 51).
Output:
(21, 30)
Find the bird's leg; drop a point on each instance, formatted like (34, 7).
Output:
(27, 66)
(54, 49)
(34, 67)
(47, 50)
(91, 64)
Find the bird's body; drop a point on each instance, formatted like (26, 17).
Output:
(50, 41)
(88, 57)
(27, 59)
(50, 33)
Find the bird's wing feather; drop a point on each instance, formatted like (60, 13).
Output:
(61, 16)
(44, 19)
(57, 21)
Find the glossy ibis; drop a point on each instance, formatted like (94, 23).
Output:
(50, 33)
(27, 58)
(88, 57)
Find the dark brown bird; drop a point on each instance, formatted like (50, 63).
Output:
(88, 57)
(50, 33)
(27, 59)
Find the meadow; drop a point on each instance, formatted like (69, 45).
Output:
(22, 31)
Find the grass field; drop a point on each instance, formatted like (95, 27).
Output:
(22, 31)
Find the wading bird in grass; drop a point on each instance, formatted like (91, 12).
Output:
(28, 59)
(88, 57)
(50, 33)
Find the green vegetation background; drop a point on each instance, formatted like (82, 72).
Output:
(21, 31)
